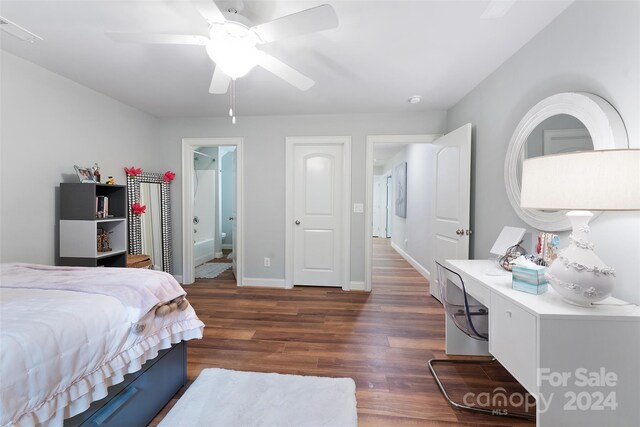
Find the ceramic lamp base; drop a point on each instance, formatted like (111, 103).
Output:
(578, 275)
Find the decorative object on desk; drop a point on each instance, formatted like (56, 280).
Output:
(547, 247)
(512, 253)
(85, 175)
(598, 180)
(96, 172)
(529, 278)
(508, 237)
(169, 176)
(111, 181)
(138, 209)
(400, 178)
(132, 171)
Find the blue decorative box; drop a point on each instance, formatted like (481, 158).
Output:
(529, 288)
(532, 275)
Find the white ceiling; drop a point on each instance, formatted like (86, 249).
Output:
(381, 53)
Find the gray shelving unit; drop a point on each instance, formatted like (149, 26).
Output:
(79, 225)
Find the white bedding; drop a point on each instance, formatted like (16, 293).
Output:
(60, 350)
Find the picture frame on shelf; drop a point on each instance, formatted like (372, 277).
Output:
(85, 174)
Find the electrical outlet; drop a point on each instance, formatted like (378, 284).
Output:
(267, 262)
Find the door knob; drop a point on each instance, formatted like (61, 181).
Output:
(231, 218)
(468, 232)
(460, 232)
(297, 222)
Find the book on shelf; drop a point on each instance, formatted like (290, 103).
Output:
(102, 207)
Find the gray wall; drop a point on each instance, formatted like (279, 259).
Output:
(50, 123)
(413, 234)
(264, 173)
(591, 47)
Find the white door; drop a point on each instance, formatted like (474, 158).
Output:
(232, 218)
(379, 206)
(318, 214)
(452, 198)
(389, 198)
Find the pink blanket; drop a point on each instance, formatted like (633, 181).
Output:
(139, 290)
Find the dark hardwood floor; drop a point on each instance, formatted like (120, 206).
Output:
(381, 339)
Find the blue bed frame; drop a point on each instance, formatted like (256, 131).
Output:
(138, 399)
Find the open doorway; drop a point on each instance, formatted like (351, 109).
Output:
(386, 172)
(430, 176)
(212, 208)
(382, 210)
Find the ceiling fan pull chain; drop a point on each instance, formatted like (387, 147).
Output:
(232, 110)
(231, 99)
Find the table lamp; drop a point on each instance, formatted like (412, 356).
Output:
(581, 182)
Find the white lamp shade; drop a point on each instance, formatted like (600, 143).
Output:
(587, 180)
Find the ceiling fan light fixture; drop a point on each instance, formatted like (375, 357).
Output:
(414, 99)
(233, 49)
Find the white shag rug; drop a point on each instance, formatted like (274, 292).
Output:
(224, 398)
(210, 270)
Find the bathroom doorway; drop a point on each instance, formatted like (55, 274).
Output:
(211, 208)
(214, 188)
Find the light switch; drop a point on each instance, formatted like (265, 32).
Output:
(358, 208)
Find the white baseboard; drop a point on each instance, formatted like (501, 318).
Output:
(357, 286)
(218, 254)
(227, 246)
(415, 264)
(263, 283)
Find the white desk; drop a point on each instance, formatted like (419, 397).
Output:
(539, 338)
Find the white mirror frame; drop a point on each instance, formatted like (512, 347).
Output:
(601, 120)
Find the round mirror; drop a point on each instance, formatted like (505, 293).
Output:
(562, 123)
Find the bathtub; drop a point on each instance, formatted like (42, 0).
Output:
(204, 249)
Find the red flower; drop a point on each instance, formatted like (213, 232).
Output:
(138, 209)
(133, 171)
(169, 176)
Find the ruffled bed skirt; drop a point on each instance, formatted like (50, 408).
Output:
(78, 396)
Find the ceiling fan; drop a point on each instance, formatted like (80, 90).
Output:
(232, 42)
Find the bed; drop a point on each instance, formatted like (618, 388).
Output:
(96, 345)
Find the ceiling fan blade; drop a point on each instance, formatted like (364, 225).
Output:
(307, 21)
(157, 38)
(219, 82)
(285, 72)
(209, 10)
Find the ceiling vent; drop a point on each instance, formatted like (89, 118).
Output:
(17, 31)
